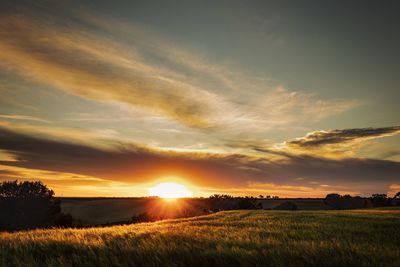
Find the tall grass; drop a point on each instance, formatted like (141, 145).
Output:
(234, 238)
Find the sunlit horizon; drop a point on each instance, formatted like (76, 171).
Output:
(170, 190)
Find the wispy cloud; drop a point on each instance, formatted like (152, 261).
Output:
(281, 107)
(188, 60)
(337, 143)
(92, 137)
(79, 60)
(97, 68)
(22, 117)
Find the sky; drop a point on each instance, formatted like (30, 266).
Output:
(287, 98)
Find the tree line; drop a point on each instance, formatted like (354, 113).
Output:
(30, 205)
(342, 202)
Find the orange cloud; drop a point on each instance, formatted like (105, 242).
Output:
(127, 163)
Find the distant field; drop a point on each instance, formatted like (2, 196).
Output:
(94, 211)
(231, 238)
(106, 210)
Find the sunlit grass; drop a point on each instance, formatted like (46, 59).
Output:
(246, 238)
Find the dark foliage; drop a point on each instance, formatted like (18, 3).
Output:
(25, 190)
(380, 200)
(143, 217)
(29, 205)
(344, 202)
(395, 201)
(227, 202)
(288, 205)
(221, 196)
(64, 220)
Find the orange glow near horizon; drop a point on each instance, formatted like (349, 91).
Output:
(170, 190)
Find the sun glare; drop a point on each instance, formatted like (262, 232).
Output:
(170, 190)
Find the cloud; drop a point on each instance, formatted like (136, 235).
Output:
(129, 163)
(90, 137)
(94, 67)
(337, 143)
(278, 109)
(323, 138)
(126, 63)
(190, 60)
(287, 106)
(23, 117)
(392, 154)
(393, 189)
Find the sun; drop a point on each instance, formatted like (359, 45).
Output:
(170, 190)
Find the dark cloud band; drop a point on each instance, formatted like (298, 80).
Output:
(321, 138)
(131, 163)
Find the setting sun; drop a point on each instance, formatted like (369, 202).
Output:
(170, 190)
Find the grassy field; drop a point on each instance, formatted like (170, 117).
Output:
(95, 211)
(232, 238)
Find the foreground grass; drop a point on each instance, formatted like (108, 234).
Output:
(235, 238)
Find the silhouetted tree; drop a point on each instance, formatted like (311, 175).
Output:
(332, 200)
(339, 202)
(395, 201)
(380, 200)
(28, 205)
(227, 202)
(221, 196)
